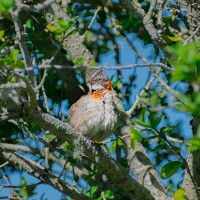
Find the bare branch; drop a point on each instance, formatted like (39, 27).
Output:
(22, 42)
(13, 85)
(192, 35)
(163, 66)
(37, 7)
(4, 164)
(94, 17)
(147, 21)
(22, 186)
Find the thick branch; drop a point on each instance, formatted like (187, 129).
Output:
(135, 8)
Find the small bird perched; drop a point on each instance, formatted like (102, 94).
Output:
(94, 115)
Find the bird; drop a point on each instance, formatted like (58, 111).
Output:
(95, 114)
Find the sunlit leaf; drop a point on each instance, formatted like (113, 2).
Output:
(50, 137)
(194, 143)
(119, 142)
(113, 146)
(7, 3)
(135, 133)
(93, 189)
(133, 142)
(27, 191)
(52, 28)
(1, 34)
(92, 63)
(180, 194)
(80, 61)
(174, 38)
(108, 194)
(15, 54)
(30, 26)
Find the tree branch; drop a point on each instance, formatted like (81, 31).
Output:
(113, 169)
(37, 170)
(22, 41)
(60, 67)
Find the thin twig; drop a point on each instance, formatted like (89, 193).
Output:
(6, 177)
(134, 48)
(191, 36)
(103, 195)
(22, 186)
(63, 169)
(11, 197)
(178, 140)
(4, 164)
(45, 99)
(92, 21)
(43, 79)
(94, 17)
(163, 66)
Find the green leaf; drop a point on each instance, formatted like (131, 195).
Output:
(166, 129)
(50, 137)
(195, 144)
(80, 61)
(113, 146)
(160, 146)
(174, 38)
(52, 28)
(92, 63)
(156, 121)
(181, 97)
(135, 133)
(112, 77)
(1, 34)
(142, 123)
(28, 191)
(119, 142)
(29, 25)
(15, 54)
(61, 23)
(88, 167)
(133, 142)
(171, 186)
(170, 168)
(88, 177)
(7, 3)
(114, 85)
(93, 189)
(108, 194)
(180, 194)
